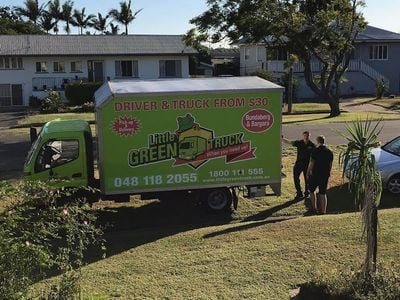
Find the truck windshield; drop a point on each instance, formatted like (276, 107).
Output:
(32, 149)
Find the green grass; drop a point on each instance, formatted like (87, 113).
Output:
(310, 108)
(388, 103)
(344, 117)
(175, 250)
(249, 260)
(35, 120)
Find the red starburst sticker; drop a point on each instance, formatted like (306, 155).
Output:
(126, 126)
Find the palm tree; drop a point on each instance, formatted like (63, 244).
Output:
(114, 29)
(81, 20)
(364, 179)
(55, 11)
(46, 21)
(99, 23)
(124, 15)
(66, 14)
(31, 10)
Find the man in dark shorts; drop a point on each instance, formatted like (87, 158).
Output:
(304, 149)
(319, 170)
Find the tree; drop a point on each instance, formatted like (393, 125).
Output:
(66, 14)
(114, 29)
(11, 23)
(100, 23)
(125, 16)
(365, 181)
(47, 22)
(312, 30)
(81, 20)
(31, 10)
(55, 11)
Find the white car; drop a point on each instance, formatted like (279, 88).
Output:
(388, 163)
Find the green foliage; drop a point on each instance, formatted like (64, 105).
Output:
(358, 163)
(384, 285)
(35, 102)
(51, 104)
(85, 107)
(37, 236)
(80, 93)
(125, 15)
(322, 31)
(265, 75)
(11, 23)
(380, 88)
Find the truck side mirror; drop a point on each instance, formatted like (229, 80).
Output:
(33, 134)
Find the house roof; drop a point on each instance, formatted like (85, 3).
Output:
(377, 34)
(49, 45)
(370, 34)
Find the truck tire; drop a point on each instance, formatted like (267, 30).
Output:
(217, 200)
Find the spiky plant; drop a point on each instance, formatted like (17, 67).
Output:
(125, 16)
(359, 166)
(31, 10)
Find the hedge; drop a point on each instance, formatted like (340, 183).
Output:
(79, 93)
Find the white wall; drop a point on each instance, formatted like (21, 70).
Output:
(148, 67)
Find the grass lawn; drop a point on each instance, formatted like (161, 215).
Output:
(305, 108)
(344, 117)
(35, 120)
(175, 250)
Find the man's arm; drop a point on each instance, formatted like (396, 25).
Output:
(287, 141)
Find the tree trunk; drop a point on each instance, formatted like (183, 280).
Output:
(126, 29)
(335, 108)
(290, 90)
(372, 241)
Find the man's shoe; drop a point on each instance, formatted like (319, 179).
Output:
(306, 195)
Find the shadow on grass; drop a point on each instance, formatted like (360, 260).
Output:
(128, 227)
(305, 121)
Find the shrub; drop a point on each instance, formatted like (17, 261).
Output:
(79, 93)
(380, 88)
(51, 104)
(35, 102)
(38, 237)
(384, 285)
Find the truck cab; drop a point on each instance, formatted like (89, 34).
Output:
(62, 155)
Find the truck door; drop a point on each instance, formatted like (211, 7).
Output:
(61, 160)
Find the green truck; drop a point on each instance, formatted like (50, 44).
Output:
(201, 138)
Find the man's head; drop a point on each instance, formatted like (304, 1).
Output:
(320, 140)
(306, 136)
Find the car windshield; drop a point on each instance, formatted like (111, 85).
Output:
(393, 146)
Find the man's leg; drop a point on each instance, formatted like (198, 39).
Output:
(313, 196)
(323, 200)
(323, 203)
(296, 178)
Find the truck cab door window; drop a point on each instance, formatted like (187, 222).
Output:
(55, 153)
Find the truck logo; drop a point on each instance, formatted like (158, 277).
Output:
(192, 145)
(125, 126)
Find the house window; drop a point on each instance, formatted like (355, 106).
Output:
(277, 54)
(76, 66)
(41, 67)
(246, 53)
(10, 94)
(11, 63)
(170, 68)
(378, 52)
(126, 68)
(58, 67)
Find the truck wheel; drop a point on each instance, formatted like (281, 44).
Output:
(217, 200)
(394, 184)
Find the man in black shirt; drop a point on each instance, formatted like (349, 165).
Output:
(319, 170)
(304, 149)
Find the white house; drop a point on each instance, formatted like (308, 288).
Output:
(30, 65)
(374, 58)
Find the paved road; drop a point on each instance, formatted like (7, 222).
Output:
(391, 129)
(13, 148)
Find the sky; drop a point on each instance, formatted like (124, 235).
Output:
(172, 16)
